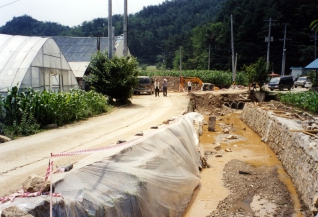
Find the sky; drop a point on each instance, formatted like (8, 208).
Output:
(67, 12)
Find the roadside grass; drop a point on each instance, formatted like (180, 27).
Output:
(307, 101)
(151, 68)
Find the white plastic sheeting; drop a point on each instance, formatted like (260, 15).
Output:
(154, 175)
(33, 62)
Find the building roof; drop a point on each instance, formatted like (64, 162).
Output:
(312, 65)
(80, 49)
(79, 68)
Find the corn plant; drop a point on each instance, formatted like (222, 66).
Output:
(24, 113)
(218, 78)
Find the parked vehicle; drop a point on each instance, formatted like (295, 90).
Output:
(301, 81)
(145, 85)
(207, 87)
(308, 84)
(281, 83)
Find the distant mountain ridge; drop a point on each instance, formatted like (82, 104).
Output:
(162, 23)
(157, 34)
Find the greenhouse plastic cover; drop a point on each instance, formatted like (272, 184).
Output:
(153, 175)
(33, 62)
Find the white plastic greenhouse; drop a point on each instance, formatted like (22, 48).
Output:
(35, 62)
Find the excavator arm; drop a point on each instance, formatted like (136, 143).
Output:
(195, 80)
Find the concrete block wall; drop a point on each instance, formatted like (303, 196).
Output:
(297, 152)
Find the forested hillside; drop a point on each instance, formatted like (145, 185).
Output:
(251, 26)
(153, 32)
(156, 33)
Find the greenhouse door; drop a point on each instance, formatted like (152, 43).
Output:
(56, 82)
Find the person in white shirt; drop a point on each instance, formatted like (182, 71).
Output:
(156, 84)
(189, 86)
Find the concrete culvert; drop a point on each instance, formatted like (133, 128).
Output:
(240, 105)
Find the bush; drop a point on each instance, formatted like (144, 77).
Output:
(114, 77)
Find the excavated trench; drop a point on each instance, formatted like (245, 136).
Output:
(251, 171)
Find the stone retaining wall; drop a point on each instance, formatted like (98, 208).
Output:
(297, 152)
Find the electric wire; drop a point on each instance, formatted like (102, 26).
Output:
(9, 3)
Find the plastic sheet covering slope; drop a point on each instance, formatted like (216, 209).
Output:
(154, 175)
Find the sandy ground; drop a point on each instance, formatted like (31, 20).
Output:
(30, 155)
(244, 177)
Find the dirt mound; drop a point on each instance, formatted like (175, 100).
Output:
(14, 212)
(34, 183)
(173, 82)
(212, 104)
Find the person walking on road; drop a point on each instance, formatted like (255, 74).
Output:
(156, 87)
(189, 86)
(164, 87)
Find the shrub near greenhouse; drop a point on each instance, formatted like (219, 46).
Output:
(25, 113)
(304, 100)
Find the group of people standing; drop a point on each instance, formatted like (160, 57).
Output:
(164, 87)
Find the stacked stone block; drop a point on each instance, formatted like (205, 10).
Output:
(298, 152)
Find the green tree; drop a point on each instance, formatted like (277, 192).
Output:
(261, 73)
(114, 77)
(249, 72)
(256, 72)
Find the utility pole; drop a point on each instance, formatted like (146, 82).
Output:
(235, 64)
(269, 39)
(180, 60)
(232, 45)
(125, 29)
(209, 57)
(315, 43)
(110, 34)
(284, 54)
(98, 43)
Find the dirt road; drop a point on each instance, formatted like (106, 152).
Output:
(30, 155)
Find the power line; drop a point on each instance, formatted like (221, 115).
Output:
(9, 3)
(269, 39)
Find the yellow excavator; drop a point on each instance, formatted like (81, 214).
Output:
(194, 80)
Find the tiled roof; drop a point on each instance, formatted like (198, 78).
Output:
(80, 49)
